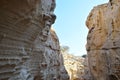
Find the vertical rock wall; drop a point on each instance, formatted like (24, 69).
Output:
(103, 41)
(29, 50)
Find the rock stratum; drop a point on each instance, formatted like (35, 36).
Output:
(103, 41)
(29, 48)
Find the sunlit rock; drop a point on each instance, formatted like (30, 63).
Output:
(103, 41)
(74, 66)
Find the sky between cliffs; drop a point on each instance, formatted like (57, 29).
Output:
(70, 23)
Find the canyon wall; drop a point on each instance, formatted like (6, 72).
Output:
(29, 48)
(103, 41)
(74, 66)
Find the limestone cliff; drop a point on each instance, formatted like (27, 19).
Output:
(74, 66)
(103, 41)
(29, 50)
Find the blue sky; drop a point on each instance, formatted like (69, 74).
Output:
(70, 23)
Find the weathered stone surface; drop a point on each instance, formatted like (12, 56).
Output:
(28, 49)
(103, 41)
(74, 66)
(86, 75)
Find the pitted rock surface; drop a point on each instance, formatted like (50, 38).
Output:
(103, 41)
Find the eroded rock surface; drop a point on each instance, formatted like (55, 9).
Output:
(29, 50)
(103, 41)
(74, 66)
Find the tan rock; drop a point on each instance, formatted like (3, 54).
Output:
(103, 41)
(74, 66)
(28, 49)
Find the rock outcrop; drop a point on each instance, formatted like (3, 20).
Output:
(103, 41)
(74, 66)
(29, 50)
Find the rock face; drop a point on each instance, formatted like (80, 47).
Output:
(103, 41)
(29, 50)
(74, 66)
(86, 75)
